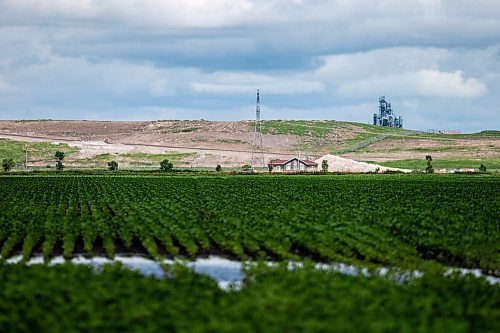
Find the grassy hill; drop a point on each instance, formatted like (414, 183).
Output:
(393, 147)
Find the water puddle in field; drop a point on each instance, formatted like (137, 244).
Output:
(229, 274)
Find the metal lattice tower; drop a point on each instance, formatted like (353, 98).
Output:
(258, 148)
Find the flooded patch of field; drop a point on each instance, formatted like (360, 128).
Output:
(230, 274)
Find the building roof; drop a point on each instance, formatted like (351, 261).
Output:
(309, 163)
(283, 162)
(278, 162)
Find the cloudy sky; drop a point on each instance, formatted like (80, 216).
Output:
(437, 61)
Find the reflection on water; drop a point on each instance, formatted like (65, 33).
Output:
(229, 273)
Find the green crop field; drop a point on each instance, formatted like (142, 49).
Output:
(402, 222)
(390, 219)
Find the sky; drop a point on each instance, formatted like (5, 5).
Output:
(436, 61)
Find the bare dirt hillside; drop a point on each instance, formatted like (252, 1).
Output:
(200, 143)
(203, 143)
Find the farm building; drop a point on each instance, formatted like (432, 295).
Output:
(293, 165)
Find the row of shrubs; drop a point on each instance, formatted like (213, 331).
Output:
(165, 165)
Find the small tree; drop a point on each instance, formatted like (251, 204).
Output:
(166, 165)
(324, 166)
(429, 168)
(218, 168)
(270, 167)
(482, 168)
(8, 164)
(59, 156)
(112, 166)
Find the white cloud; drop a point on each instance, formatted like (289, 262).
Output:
(159, 87)
(6, 88)
(383, 61)
(423, 83)
(220, 13)
(409, 72)
(244, 82)
(192, 13)
(447, 84)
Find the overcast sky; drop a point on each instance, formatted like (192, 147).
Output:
(436, 61)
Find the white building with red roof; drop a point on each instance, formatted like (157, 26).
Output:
(292, 165)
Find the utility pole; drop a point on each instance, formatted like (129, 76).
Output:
(26, 157)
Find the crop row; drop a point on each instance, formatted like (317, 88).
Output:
(384, 219)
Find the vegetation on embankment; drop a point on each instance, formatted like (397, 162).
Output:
(38, 151)
(138, 159)
(321, 128)
(491, 164)
(311, 128)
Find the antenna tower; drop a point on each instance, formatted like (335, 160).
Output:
(258, 148)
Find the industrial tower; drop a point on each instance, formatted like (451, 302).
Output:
(386, 116)
(258, 148)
